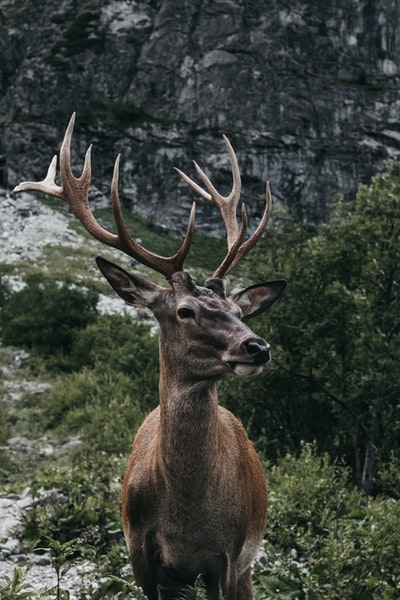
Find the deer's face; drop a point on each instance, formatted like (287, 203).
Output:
(202, 332)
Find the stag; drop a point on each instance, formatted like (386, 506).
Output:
(194, 496)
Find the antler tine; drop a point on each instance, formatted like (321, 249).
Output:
(75, 191)
(252, 240)
(165, 265)
(47, 185)
(229, 260)
(226, 204)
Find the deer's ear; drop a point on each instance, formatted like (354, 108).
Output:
(131, 287)
(256, 299)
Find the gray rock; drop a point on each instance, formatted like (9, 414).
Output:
(306, 91)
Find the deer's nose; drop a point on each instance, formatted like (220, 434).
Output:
(258, 350)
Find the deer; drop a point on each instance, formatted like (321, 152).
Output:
(194, 495)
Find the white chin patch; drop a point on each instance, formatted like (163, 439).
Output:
(244, 369)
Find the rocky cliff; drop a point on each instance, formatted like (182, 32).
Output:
(307, 91)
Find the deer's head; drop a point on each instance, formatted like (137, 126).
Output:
(202, 331)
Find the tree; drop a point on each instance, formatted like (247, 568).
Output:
(336, 334)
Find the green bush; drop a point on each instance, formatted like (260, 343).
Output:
(45, 315)
(325, 539)
(78, 502)
(107, 400)
(118, 343)
(103, 408)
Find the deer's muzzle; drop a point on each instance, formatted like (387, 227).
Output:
(258, 350)
(250, 356)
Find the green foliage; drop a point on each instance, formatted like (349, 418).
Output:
(118, 343)
(14, 587)
(108, 398)
(325, 539)
(45, 315)
(389, 476)
(104, 408)
(335, 335)
(194, 592)
(61, 558)
(116, 587)
(78, 507)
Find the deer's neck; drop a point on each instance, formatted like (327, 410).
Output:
(188, 427)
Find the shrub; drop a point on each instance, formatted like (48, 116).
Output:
(79, 502)
(45, 314)
(335, 335)
(103, 408)
(326, 540)
(118, 343)
(107, 400)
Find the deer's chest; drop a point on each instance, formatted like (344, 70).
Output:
(193, 525)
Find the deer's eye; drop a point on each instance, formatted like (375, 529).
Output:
(185, 313)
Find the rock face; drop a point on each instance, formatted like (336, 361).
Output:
(306, 91)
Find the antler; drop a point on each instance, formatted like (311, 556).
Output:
(75, 191)
(227, 205)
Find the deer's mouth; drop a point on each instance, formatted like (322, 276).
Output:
(256, 354)
(245, 368)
